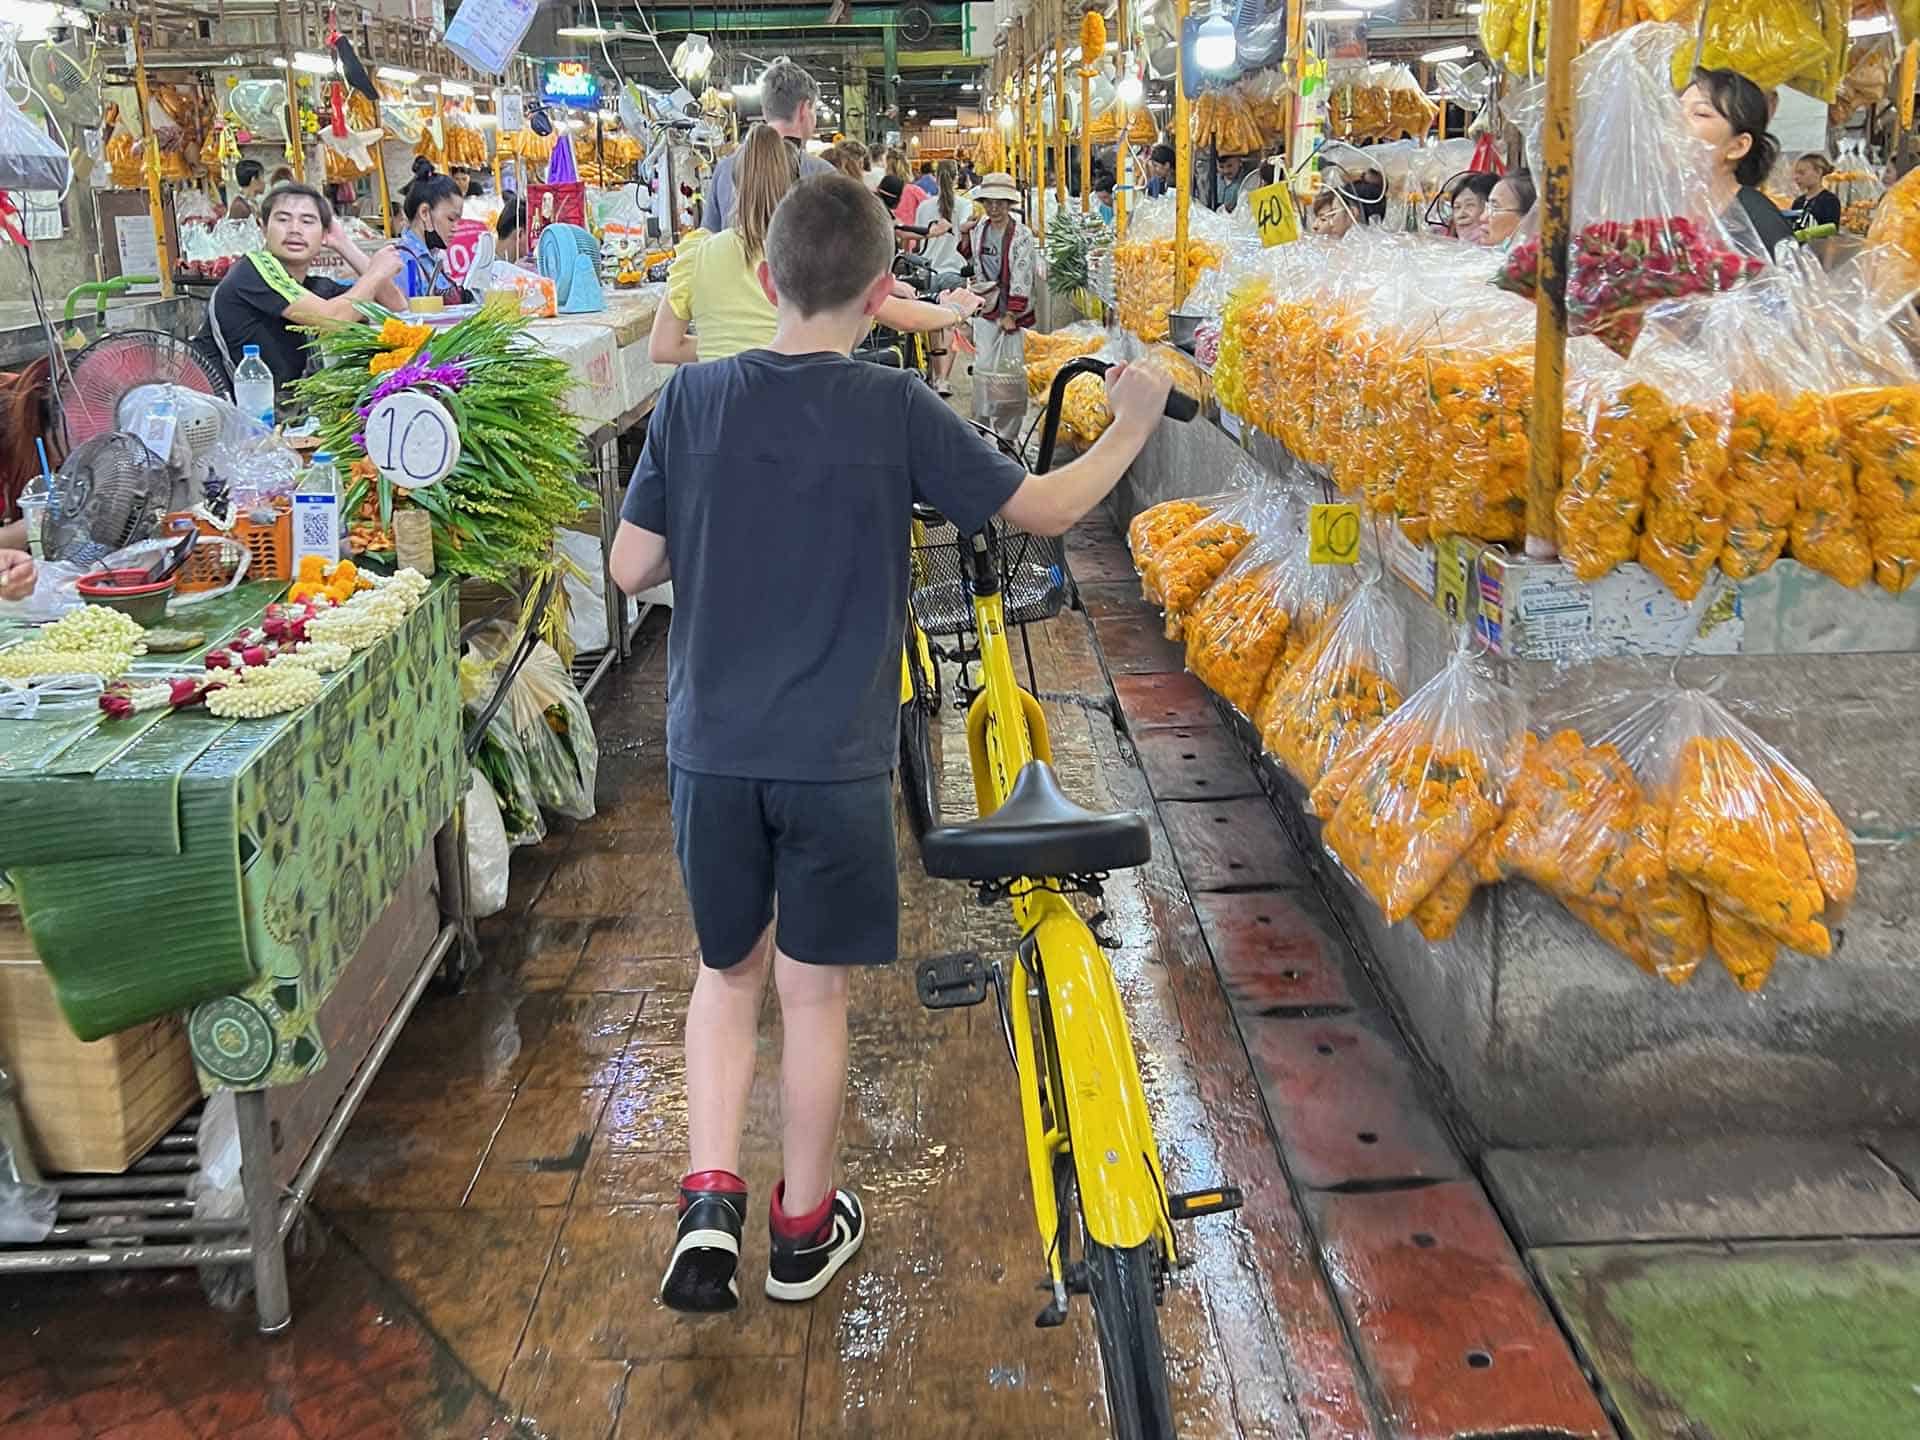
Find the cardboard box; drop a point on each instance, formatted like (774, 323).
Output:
(91, 1107)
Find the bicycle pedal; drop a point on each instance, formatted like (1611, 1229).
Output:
(1192, 1204)
(950, 982)
(1052, 1317)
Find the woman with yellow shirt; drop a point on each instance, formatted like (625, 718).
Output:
(716, 305)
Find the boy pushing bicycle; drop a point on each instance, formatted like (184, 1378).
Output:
(776, 491)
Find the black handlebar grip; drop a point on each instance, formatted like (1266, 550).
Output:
(1181, 406)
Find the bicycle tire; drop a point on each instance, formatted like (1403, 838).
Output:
(1126, 1320)
(919, 772)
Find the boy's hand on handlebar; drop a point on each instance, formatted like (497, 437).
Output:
(1138, 394)
(961, 299)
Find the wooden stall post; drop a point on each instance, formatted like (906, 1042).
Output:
(1550, 298)
(1036, 144)
(380, 179)
(1182, 152)
(1060, 104)
(150, 148)
(1296, 81)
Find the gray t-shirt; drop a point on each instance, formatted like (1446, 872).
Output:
(720, 191)
(784, 485)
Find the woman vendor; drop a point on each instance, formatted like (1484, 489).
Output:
(269, 292)
(1003, 253)
(431, 205)
(1730, 112)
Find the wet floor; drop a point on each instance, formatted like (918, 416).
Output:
(488, 1239)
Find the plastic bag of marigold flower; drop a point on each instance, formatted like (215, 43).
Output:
(1407, 805)
(1184, 567)
(1645, 228)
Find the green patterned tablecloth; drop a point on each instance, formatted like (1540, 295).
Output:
(232, 868)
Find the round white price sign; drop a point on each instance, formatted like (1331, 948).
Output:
(412, 440)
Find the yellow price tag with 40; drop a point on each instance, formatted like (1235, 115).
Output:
(1333, 534)
(1274, 214)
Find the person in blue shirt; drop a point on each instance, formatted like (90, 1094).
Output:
(430, 207)
(783, 718)
(1159, 169)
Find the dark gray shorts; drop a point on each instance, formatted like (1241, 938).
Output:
(824, 850)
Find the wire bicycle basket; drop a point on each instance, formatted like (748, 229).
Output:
(1033, 578)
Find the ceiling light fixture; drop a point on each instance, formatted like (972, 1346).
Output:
(308, 63)
(1214, 45)
(1336, 14)
(398, 76)
(1448, 52)
(1871, 25)
(455, 87)
(582, 32)
(944, 122)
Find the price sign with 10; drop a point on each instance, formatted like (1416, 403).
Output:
(412, 440)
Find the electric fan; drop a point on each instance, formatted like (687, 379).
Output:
(101, 376)
(108, 493)
(68, 79)
(570, 259)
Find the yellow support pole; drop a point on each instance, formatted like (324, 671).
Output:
(1086, 135)
(1182, 154)
(380, 179)
(1909, 73)
(1060, 105)
(1037, 146)
(1550, 300)
(1296, 77)
(156, 212)
(1122, 155)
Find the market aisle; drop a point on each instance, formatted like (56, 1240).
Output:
(494, 1221)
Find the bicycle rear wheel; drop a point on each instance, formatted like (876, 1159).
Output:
(1126, 1318)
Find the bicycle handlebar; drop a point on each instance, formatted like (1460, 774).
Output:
(1180, 405)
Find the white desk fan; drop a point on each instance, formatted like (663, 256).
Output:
(570, 258)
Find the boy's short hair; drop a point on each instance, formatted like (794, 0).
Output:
(828, 242)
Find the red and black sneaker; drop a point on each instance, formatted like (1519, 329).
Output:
(808, 1250)
(706, 1249)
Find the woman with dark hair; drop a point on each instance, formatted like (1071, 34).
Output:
(1730, 112)
(941, 214)
(1469, 201)
(430, 206)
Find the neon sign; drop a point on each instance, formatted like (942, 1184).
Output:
(569, 82)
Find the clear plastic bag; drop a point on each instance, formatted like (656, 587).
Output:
(1349, 679)
(1149, 532)
(1747, 829)
(30, 158)
(550, 723)
(1409, 803)
(1047, 351)
(1643, 229)
(1768, 41)
(1184, 567)
(1143, 264)
(488, 852)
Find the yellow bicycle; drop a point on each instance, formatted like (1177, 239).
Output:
(1100, 1195)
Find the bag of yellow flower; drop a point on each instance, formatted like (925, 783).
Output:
(1184, 567)
(1144, 275)
(1684, 519)
(1416, 795)
(1480, 388)
(1345, 682)
(1768, 41)
(1150, 530)
(1243, 629)
(1047, 352)
(1748, 830)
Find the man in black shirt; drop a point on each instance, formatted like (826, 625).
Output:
(269, 291)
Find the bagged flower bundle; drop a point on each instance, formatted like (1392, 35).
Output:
(1184, 567)
(1411, 801)
(1343, 685)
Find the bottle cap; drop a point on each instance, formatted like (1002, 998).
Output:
(322, 457)
(246, 350)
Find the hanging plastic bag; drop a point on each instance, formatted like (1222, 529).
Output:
(1768, 41)
(550, 722)
(1749, 830)
(1410, 801)
(1643, 229)
(488, 853)
(1183, 568)
(1262, 613)
(1343, 685)
(1149, 532)
(30, 158)
(1143, 265)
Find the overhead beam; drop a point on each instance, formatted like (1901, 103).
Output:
(926, 59)
(673, 19)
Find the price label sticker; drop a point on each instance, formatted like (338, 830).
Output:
(412, 440)
(1333, 534)
(1274, 214)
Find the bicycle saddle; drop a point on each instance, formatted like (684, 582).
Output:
(1038, 832)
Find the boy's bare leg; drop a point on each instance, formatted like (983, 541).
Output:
(723, 1022)
(813, 1077)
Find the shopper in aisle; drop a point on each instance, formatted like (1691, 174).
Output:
(1730, 112)
(849, 157)
(941, 215)
(1815, 204)
(1159, 170)
(430, 207)
(926, 180)
(1004, 255)
(268, 294)
(783, 726)
(1510, 203)
(789, 98)
(898, 189)
(717, 303)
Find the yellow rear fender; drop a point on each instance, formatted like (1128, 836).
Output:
(1122, 1192)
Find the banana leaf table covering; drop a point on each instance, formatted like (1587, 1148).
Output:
(231, 868)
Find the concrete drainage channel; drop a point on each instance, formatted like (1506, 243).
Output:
(1452, 1338)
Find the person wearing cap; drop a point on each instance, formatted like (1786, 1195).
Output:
(1004, 253)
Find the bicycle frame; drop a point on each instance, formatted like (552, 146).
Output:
(1085, 1058)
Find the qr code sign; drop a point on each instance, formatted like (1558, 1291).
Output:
(315, 525)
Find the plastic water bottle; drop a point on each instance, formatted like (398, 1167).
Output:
(316, 512)
(253, 386)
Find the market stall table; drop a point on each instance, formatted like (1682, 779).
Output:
(272, 879)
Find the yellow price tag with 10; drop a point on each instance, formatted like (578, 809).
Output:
(1333, 534)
